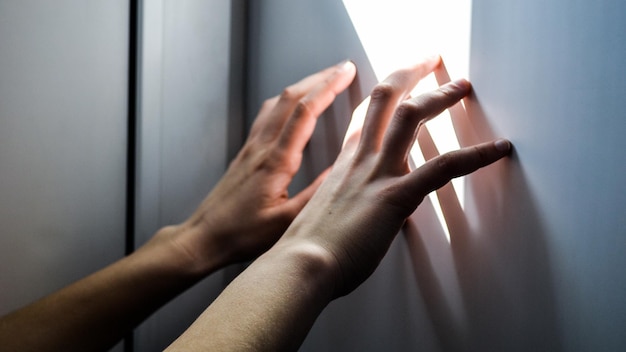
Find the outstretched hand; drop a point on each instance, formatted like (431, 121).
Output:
(340, 236)
(249, 209)
(243, 216)
(370, 192)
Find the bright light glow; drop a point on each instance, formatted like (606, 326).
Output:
(398, 33)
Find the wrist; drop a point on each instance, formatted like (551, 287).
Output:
(187, 249)
(315, 266)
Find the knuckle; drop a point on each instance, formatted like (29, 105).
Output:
(280, 160)
(303, 109)
(480, 154)
(446, 92)
(383, 91)
(408, 110)
(289, 93)
(450, 93)
(446, 164)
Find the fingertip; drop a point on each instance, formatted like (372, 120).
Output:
(346, 66)
(462, 84)
(503, 145)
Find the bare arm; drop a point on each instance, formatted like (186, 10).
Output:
(341, 235)
(96, 312)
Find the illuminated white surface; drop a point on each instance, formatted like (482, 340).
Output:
(398, 33)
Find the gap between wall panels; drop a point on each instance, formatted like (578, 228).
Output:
(237, 111)
(131, 153)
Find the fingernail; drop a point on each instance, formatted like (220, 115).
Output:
(462, 83)
(502, 145)
(346, 65)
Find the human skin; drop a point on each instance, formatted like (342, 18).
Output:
(341, 235)
(244, 215)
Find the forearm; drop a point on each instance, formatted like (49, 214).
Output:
(97, 311)
(270, 307)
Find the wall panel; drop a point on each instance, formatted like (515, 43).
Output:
(63, 84)
(63, 101)
(182, 135)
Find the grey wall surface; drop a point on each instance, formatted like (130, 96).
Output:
(550, 76)
(183, 135)
(63, 87)
(63, 92)
(536, 260)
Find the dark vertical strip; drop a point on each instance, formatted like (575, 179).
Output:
(237, 92)
(132, 128)
(253, 29)
(238, 84)
(131, 153)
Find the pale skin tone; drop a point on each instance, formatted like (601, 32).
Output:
(335, 242)
(96, 312)
(344, 231)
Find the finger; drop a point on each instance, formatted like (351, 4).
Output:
(282, 106)
(410, 114)
(298, 129)
(440, 170)
(385, 98)
(448, 199)
(353, 133)
(458, 113)
(262, 121)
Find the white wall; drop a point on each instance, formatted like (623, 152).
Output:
(550, 76)
(537, 259)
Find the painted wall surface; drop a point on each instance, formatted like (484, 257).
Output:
(63, 91)
(536, 259)
(183, 135)
(550, 76)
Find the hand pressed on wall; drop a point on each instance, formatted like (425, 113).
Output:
(370, 192)
(249, 209)
(244, 215)
(343, 232)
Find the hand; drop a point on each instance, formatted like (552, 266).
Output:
(365, 200)
(342, 233)
(249, 209)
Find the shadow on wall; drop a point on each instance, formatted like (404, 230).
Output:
(490, 288)
(290, 40)
(329, 134)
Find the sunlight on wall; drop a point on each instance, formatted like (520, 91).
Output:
(398, 33)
